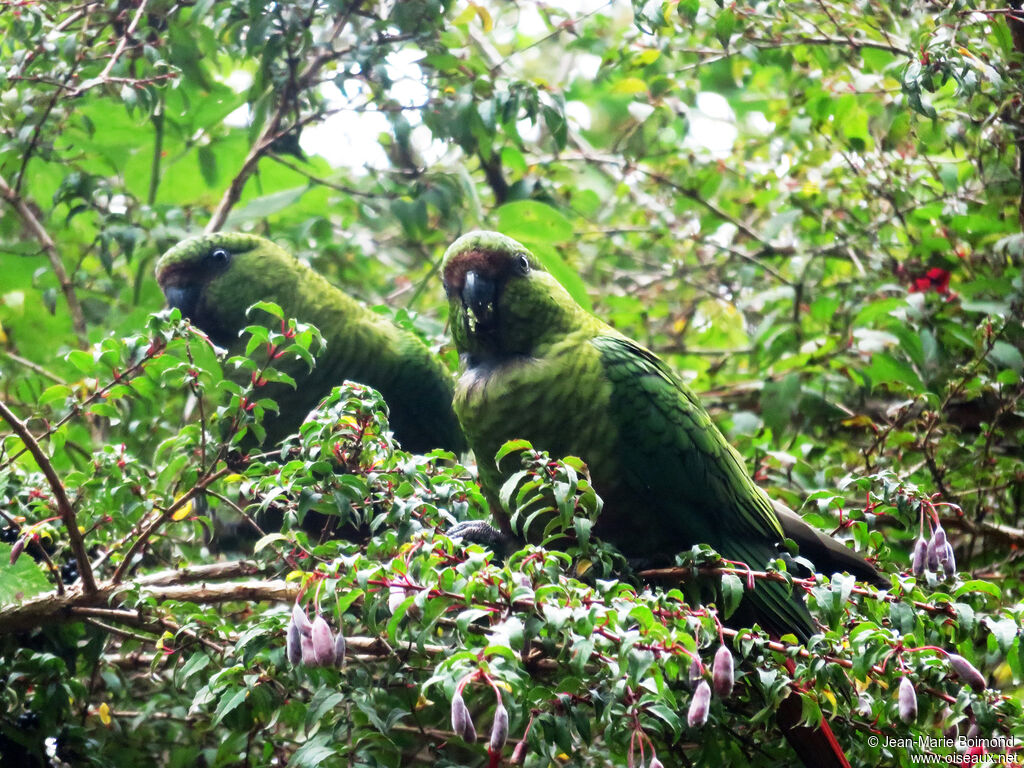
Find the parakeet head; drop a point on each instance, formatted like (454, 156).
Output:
(214, 278)
(503, 302)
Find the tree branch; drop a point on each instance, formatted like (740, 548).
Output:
(64, 508)
(50, 248)
(272, 130)
(190, 584)
(123, 42)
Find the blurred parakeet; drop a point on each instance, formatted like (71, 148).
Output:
(214, 278)
(538, 366)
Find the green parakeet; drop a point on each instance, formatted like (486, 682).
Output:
(214, 278)
(538, 366)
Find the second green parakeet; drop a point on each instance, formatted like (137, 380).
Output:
(214, 278)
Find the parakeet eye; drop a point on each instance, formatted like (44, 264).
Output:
(219, 256)
(523, 265)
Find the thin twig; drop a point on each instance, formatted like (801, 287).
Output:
(34, 367)
(39, 232)
(158, 520)
(158, 149)
(331, 184)
(272, 131)
(64, 508)
(123, 42)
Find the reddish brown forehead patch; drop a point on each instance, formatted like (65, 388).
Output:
(174, 274)
(485, 263)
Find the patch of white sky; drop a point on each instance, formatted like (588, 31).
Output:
(349, 137)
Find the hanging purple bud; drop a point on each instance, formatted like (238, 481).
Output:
(300, 618)
(973, 731)
(306, 646)
(696, 672)
(722, 675)
(294, 644)
(939, 537)
(697, 715)
(323, 641)
(967, 672)
(655, 763)
(907, 701)
(933, 555)
(19, 545)
(948, 561)
(942, 552)
(499, 728)
(518, 754)
(920, 557)
(339, 650)
(396, 596)
(864, 705)
(462, 723)
(952, 731)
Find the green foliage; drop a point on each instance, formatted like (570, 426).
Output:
(809, 209)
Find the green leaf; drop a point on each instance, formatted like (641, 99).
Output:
(512, 446)
(323, 701)
(732, 593)
(886, 369)
(229, 701)
(725, 25)
(1004, 354)
(56, 392)
(21, 581)
(978, 585)
(265, 206)
(313, 753)
(533, 223)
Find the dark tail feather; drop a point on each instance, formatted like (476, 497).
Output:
(816, 747)
(828, 555)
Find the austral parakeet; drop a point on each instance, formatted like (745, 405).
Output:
(537, 366)
(214, 278)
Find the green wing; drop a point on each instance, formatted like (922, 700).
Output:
(682, 484)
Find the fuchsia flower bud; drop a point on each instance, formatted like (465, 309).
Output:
(907, 701)
(967, 672)
(518, 753)
(462, 723)
(323, 641)
(499, 728)
(300, 618)
(294, 643)
(697, 715)
(722, 674)
(920, 559)
(933, 556)
(696, 672)
(948, 561)
(306, 648)
(339, 650)
(396, 596)
(19, 545)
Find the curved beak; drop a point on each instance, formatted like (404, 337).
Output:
(478, 297)
(184, 297)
